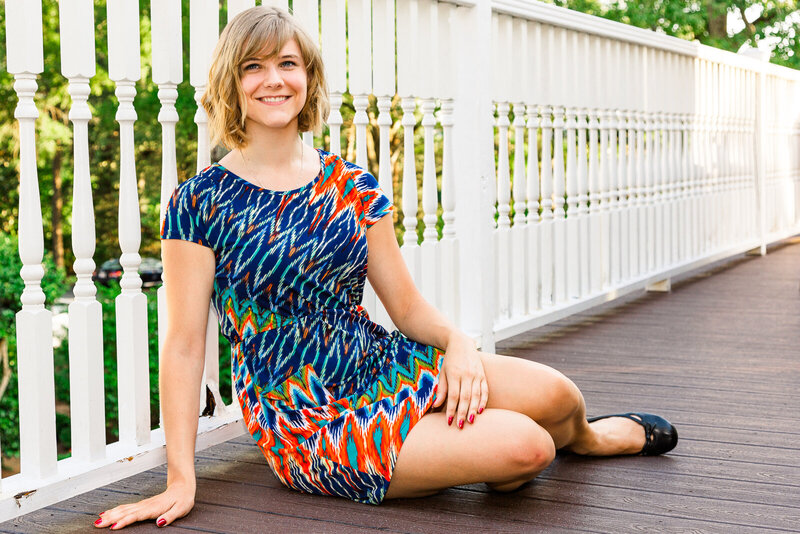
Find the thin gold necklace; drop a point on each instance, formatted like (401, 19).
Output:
(258, 182)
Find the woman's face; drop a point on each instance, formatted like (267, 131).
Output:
(275, 88)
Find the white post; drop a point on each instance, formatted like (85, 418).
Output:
(37, 416)
(472, 135)
(533, 93)
(87, 404)
(360, 70)
(334, 57)
(203, 33)
(559, 222)
(546, 234)
(167, 74)
(612, 177)
(131, 305)
(519, 274)
(408, 87)
(503, 210)
(573, 164)
(429, 257)
(430, 273)
(595, 236)
(383, 85)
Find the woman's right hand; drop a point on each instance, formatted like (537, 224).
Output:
(174, 503)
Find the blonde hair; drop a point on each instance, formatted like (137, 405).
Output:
(249, 33)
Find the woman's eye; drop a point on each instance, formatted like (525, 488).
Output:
(288, 64)
(250, 66)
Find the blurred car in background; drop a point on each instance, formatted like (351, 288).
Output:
(150, 271)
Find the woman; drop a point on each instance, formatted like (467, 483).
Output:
(281, 238)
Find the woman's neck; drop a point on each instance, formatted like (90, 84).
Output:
(271, 149)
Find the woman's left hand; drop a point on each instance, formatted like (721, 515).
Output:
(462, 381)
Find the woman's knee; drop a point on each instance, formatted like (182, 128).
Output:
(565, 398)
(529, 450)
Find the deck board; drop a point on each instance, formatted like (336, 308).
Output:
(719, 355)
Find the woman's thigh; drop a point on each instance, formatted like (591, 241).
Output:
(536, 390)
(501, 446)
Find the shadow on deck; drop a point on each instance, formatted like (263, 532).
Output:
(719, 356)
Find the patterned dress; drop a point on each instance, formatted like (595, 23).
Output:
(328, 395)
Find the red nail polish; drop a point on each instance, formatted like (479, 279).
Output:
(460, 423)
(98, 521)
(114, 525)
(450, 420)
(471, 417)
(161, 522)
(480, 410)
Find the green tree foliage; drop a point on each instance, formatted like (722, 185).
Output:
(707, 21)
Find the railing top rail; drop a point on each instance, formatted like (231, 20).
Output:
(574, 20)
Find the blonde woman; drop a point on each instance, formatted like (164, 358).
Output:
(281, 237)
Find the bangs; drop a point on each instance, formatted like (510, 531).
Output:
(266, 39)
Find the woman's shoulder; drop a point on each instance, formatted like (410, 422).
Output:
(343, 169)
(199, 191)
(203, 182)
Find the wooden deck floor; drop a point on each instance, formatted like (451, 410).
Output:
(719, 356)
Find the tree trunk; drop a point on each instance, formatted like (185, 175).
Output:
(6, 367)
(717, 20)
(57, 210)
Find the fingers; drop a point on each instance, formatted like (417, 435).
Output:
(441, 390)
(177, 511)
(465, 390)
(124, 515)
(475, 400)
(484, 394)
(466, 398)
(162, 508)
(452, 399)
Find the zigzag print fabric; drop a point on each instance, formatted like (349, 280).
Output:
(328, 395)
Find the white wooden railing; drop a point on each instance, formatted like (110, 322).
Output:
(631, 157)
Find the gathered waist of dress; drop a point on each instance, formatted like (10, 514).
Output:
(331, 316)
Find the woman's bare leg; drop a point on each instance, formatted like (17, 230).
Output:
(555, 402)
(531, 411)
(502, 448)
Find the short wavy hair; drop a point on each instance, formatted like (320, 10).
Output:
(249, 33)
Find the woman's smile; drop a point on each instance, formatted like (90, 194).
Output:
(273, 100)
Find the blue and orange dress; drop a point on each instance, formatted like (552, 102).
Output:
(328, 395)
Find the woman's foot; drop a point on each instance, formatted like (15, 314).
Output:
(611, 436)
(628, 433)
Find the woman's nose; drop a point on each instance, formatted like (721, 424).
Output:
(272, 78)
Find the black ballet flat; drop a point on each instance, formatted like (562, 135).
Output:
(660, 435)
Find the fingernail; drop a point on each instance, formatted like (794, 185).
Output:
(480, 410)
(460, 423)
(450, 420)
(471, 417)
(161, 522)
(98, 521)
(114, 525)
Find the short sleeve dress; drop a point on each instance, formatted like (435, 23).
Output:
(328, 395)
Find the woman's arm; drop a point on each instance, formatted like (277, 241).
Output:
(188, 280)
(463, 382)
